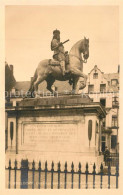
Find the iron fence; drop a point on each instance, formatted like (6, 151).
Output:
(38, 178)
(112, 159)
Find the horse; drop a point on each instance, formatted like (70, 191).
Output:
(50, 73)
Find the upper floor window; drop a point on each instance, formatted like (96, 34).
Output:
(90, 88)
(95, 75)
(113, 141)
(103, 101)
(115, 101)
(102, 87)
(114, 82)
(114, 121)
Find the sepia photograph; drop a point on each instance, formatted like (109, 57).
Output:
(62, 86)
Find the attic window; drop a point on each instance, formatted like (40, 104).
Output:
(95, 75)
(114, 82)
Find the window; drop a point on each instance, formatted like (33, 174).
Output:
(89, 131)
(115, 101)
(113, 141)
(103, 143)
(90, 88)
(95, 75)
(103, 101)
(114, 82)
(102, 87)
(11, 131)
(114, 121)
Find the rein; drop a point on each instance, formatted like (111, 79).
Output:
(81, 60)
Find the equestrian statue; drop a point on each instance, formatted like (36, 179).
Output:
(63, 66)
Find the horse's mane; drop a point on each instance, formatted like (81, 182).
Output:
(75, 46)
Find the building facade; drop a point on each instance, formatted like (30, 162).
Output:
(104, 88)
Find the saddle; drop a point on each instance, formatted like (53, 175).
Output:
(54, 62)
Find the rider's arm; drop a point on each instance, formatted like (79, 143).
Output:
(55, 44)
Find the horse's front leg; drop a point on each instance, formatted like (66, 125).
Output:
(78, 73)
(75, 89)
(36, 83)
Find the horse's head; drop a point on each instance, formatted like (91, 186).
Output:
(85, 49)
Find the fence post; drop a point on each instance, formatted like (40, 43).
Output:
(72, 172)
(39, 169)
(65, 171)
(24, 174)
(59, 165)
(52, 170)
(101, 175)
(79, 171)
(109, 173)
(9, 173)
(117, 174)
(94, 172)
(33, 173)
(15, 168)
(86, 172)
(45, 186)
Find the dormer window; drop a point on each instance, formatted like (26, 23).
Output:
(95, 75)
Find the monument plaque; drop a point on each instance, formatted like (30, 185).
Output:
(51, 133)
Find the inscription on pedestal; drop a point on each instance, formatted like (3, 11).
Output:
(37, 133)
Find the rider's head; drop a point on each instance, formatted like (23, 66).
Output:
(56, 34)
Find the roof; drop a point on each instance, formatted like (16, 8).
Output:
(111, 76)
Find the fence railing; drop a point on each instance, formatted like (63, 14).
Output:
(59, 179)
(112, 159)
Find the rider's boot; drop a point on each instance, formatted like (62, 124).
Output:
(62, 63)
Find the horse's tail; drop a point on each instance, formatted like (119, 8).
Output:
(31, 89)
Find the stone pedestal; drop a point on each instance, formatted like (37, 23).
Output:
(57, 129)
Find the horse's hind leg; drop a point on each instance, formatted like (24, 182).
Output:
(50, 80)
(37, 82)
(75, 88)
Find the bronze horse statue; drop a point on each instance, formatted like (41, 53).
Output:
(50, 73)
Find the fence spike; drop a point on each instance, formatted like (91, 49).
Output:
(72, 167)
(117, 168)
(65, 166)
(86, 168)
(80, 167)
(94, 168)
(52, 165)
(33, 164)
(59, 165)
(9, 163)
(46, 165)
(109, 169)
(39, 164)
(15, 164)
(101, 168)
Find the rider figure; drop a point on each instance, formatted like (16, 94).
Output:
(58, 48)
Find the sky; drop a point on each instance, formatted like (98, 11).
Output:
(29, 30)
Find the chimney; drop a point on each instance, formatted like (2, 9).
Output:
(11, 68)
(31, 79)
(118, 69)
